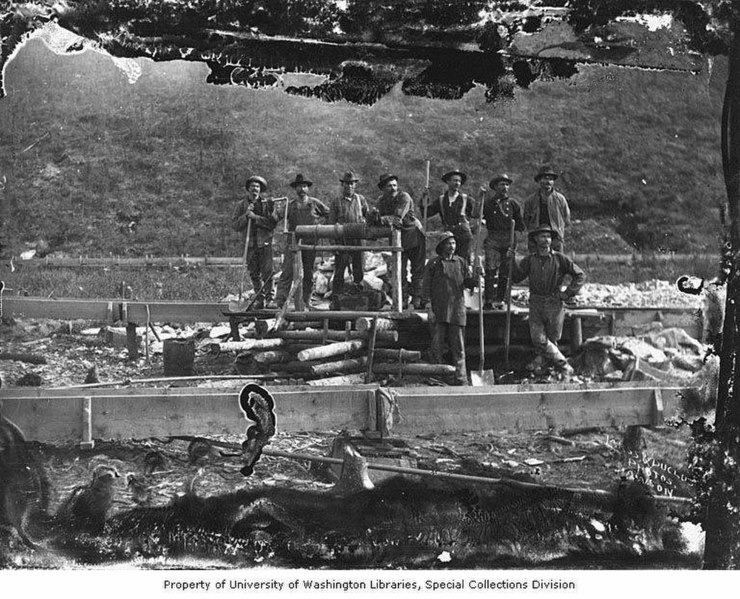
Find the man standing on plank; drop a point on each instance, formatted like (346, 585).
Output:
(498, 212)
(261, 213)
(547, 208)
(445, 279)
(349, 208)
(547, 270)
(303, 210)
(455, 209)
(396, 208)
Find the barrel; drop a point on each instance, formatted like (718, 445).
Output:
(178, 357)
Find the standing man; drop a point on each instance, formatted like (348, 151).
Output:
(260, 212)
(304, 210)
(498, 212)
(546, 270)
(547, 208)
(396, 208)
(455, 209)
(445, 279)
(350, 208)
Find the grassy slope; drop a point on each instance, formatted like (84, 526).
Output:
(639, 151)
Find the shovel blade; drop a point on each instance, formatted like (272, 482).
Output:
(482, 378)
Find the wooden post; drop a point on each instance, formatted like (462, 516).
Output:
(131, 341)
(298, 275)
(398, 276)
(87, 440)
(576, 334)
(371, 351)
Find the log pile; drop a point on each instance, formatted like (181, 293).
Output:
(325, 356)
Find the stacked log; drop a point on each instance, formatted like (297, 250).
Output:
(329, 355)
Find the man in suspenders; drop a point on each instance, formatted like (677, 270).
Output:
(455, 209)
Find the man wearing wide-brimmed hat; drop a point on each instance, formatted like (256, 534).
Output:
(349, 208)
(547, 270)
(499, 210)
(303, 210)
(455, 209)
(445, 279)
(396, 208)
(261, 213)
(547, 207)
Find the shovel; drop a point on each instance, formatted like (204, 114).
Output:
(482, 378)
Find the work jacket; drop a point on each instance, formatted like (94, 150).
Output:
(444, 283)
(557, 211)
(260, 233)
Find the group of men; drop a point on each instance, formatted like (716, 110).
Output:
(439, 283)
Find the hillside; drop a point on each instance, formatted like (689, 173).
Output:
(96, 165)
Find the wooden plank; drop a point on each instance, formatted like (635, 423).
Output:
(137, 416)
(62, 309)
(461, 411)
(172, 311)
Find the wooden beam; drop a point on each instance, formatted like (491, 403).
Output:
(62, 309)
(160, 412)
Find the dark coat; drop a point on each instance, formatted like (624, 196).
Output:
(263, 227)
(444, 283)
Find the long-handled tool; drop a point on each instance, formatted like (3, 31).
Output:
(244, 262)
(507, 330)
(426, 198)
(483, 377)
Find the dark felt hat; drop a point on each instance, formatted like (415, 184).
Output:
(448, 174)
(498, 179)
(300, 180)
(385, 178)
(543, 229)
(349, 177)
(545, 170)
(445, 236)
(258, 179)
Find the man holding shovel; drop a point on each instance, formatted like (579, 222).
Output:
(547, 270)
(257, 217)
(303, 210)
(500, 211)
(445, 279)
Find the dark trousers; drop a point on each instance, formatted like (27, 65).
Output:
(342, 261)
(286, 277)
(259, 264)
(497, 270)
(546, 317)
(455, 336)
(415, 259)
(462, 247)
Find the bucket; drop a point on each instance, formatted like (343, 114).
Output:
(178, 356)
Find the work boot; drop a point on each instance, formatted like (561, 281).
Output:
(488, 306)
(417, 302)
(258, 304)
(536, 364)
(566, 370)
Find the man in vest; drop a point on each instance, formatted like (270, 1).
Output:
(349, 208)
(396, 208)
(499, 210)
(445, 279)
(547, 208)
(546, 270)
(261, 213)
(304, 210)
(455, 209)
